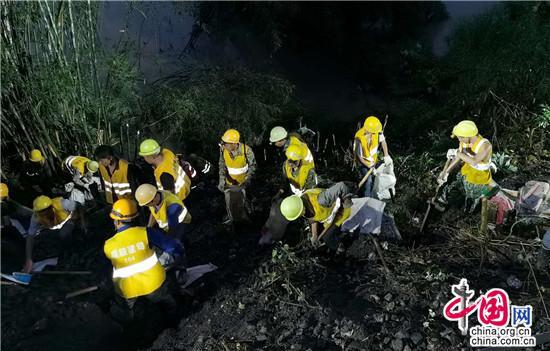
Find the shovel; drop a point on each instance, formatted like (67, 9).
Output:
(430, 203)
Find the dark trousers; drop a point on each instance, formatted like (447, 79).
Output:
(367, 188)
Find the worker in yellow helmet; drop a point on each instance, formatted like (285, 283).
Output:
(84, 185)
(282, 139)
(474, 152)
(322, 207)
(366, 147)
(35, 176)
(15, 218)
(237, 166)
(137, 271)
(52, 220)
(118, 176)
(169, 175)
(167, 210)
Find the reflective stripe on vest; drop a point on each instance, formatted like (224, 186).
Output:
(237, 171)
(181, 217)
(180, 181)
(60, 225)
(128, 271)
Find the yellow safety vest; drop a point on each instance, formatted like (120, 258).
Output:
(117, 182)
(298, 180)
(481, 172)
(61, 216)
(161, 215)
(325, 215)
(136, 269)
(295, 140)
(77, 164)
(370, 150)
(171, 166)
(237, 168)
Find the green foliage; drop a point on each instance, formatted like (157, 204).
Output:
(59, 93)
(200, 103)
(504, 163)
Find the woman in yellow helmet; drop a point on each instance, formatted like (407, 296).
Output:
(366, 147)
(137, 271)
(474, 153)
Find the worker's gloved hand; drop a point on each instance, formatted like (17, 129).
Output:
(451, 154)
(221, 186)
(388, 160)
(27, 267)
(442, 179)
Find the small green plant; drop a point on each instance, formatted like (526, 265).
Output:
(543, 118)
(504, 163)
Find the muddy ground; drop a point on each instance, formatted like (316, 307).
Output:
(285, 297)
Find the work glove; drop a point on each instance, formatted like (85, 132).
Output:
(442, 179)
(388, 160)
(221, 186)
(451, 154)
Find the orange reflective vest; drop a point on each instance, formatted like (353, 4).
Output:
(136, 269)
(116, 183)
(171, 166)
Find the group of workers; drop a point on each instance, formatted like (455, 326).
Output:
(138, 269)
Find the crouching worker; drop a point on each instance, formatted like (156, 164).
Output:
(167, 210)
(52, 224)
(136, 267)
(474, 153)
(328, 208)
(237, 165)
(84, 186)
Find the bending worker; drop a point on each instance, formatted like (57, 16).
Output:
(81, 169)
(237, 166)
(474, 152)
(169, 174)
(118, 177)
(36, 175)
(167, 210)
(15, 217)
(327, 207)
(53, 220)
(366, 143)
(136, 268)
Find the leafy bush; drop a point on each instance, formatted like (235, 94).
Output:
(202, 101)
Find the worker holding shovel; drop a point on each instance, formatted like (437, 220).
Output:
(365, 148)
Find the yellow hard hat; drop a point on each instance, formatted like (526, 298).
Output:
(41, 203)
(231, 136)
(124, 209)
(4, 191)
(92, 166)
(465, 129)
(372, 125)
(36, 156)
(145, 193)
(295, 152)
(292, 207)
(149, 147)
